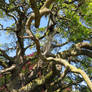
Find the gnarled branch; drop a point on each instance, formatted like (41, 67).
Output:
(73, 69)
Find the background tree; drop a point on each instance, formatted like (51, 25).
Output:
(60, 54)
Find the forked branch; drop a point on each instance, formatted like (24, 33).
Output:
(73, 69)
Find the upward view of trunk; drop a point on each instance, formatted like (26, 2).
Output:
(45, 45)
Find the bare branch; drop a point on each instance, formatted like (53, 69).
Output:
(34, 39)
(36, 12)
(48, 3)
(5, 55)
(59, 45)
(8, 69)
(78, 49)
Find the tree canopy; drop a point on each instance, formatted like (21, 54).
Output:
(49, 46)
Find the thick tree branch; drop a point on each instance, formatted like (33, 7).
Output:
(8, 69)
(36, 12)
(28, 23)
(43, 11)
(34, 6)
(84, 45)
(32, 16)
(35, 83)
(48, 3)
(78, 49)
(73, 69)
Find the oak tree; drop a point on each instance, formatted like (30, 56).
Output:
(49, 45)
